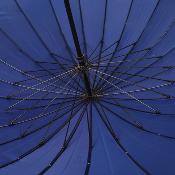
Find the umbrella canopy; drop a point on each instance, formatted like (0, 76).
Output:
(87, 87)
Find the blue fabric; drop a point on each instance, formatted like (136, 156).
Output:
(49, 125)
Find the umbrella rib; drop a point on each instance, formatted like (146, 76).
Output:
(136, 74)
(139, 67)
(37, 146)
(60, 29)
(127, 60)
(121, 61)
(123, 80)
(26, 74)
(67, 130)
(116, 47)
(153, 77)
(48, 84)
(30, 119)
(25, 134)
(32, 99)
(106, 120)
(33, 118)
(156, 43)
(145, 89)
(48, 127)
(61, 65)
(12, 122)
(40, 70)
(117, 141)
(101, 41)
(82, 24)
(18, 70)
(70, 99)
(71, 115)
(148, 77)
(28, 80)
(134, 52)
(43, 76)
(109, 129)
(22, 51)
(42, 90)
(34, 30)
(40, 107)
(26, 88)
(50, 102)
(23, 114)
(90, 132)
(152, 109)
(64, 59)
(123, 29)
(93, 51)
(29, 75)
(39, 77)
(12, 106)
(133, 46)
(65, 145)
(145, 78)
(111, 45)
(73, 69)
(127, 99)
(137, 90)
(139, 110)
(111, 53)
(135, 124)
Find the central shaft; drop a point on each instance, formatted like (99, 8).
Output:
(80, 56)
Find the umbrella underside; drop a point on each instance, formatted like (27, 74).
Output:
(87, 87)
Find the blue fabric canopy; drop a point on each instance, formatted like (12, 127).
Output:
(87, 87)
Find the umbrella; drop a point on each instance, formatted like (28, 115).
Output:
(87, 87)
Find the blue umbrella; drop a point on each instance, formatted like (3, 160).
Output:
(87, 87)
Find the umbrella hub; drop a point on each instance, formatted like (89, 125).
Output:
(84, 66)
(94, 96)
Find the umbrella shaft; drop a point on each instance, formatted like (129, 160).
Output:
(87, 84)
(73, 29)
(80, 58)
